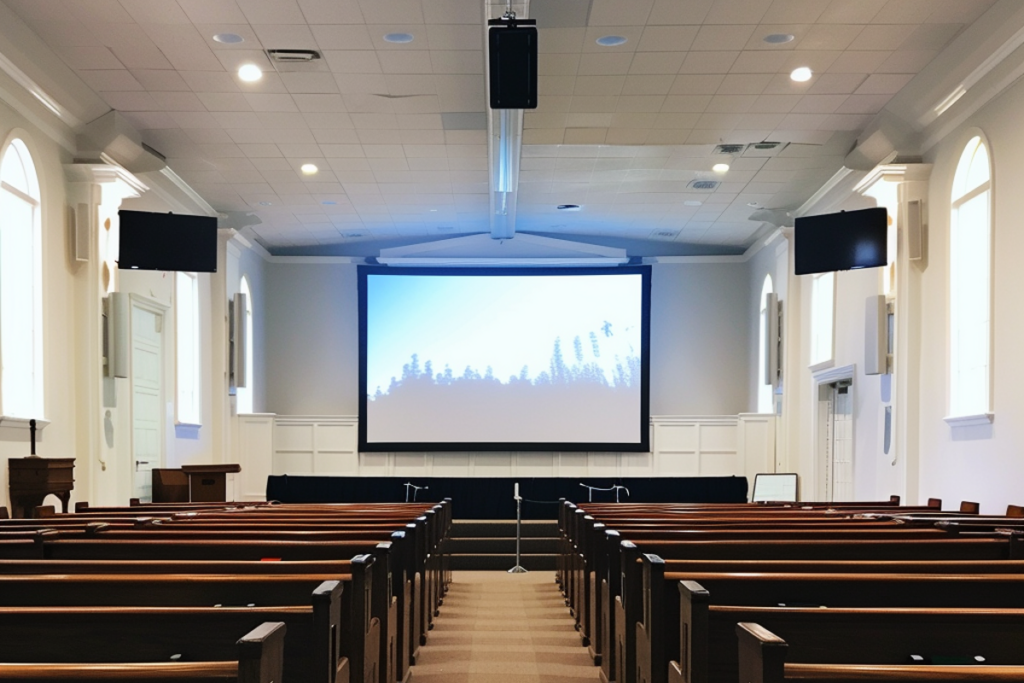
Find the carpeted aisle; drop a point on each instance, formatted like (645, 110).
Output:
(504, 628)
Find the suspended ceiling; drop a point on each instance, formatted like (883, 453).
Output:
(398, 131)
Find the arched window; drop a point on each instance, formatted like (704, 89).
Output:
(970, 282)
(764, 391)
(243, 395)
(21, 325)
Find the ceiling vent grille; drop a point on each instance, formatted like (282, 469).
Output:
(764, 149)
(665, 234)
(729, 149)
(703, 184)
(293, 56)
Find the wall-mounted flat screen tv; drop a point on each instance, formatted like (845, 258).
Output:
(841, 241)
(167, 241)
(504, 359)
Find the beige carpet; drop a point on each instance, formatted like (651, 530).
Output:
(504, 628)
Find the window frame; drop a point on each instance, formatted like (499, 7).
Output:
(246, 393)
(30, 270)
(961, 413)
(187, 415)
(816, 364)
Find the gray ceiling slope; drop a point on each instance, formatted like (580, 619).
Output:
(623, 131)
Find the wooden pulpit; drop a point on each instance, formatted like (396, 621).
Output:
(208, 483)
(32, 479)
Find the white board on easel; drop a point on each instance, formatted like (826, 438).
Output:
(770, 488)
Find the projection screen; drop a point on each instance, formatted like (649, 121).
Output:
(503, 359)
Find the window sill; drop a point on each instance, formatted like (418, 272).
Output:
(21, 423)
(185, 430)
(822, 365)
(979, 420)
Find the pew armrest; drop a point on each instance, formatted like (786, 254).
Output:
(261, 654)
(762, 654)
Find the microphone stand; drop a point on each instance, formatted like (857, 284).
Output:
(518, 569)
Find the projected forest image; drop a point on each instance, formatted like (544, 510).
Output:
(494, 361)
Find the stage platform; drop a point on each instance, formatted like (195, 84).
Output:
(491, 497)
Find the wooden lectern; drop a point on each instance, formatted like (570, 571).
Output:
(208, 483)
(33, 478)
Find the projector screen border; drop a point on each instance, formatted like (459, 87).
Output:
(642, 445)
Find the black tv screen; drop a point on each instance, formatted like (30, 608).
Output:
(841, 241)
(167, 241)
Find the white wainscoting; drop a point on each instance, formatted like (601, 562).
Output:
(701, 446)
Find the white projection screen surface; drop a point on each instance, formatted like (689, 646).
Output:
(502, 359)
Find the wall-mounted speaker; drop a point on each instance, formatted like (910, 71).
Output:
(915, 230)
(237, 342)
(115, 335)
(512, 59)
(772, 339)
(876, 336)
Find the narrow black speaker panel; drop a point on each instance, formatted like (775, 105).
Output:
(513, 58)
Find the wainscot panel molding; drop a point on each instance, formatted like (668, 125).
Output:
(740, 445)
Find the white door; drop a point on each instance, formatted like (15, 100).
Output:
(835, 447)
(147, 398)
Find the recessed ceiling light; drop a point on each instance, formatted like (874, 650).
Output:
(309, 169)
(754, 205)
(720, 168)
(250, 73)
(265, 203)
(611, 41)
(328, 202)
(801, 74)
(692, 202)
(229, 38)
(568, 207)
(778, 38)
(398, 37)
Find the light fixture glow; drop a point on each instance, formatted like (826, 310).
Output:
(309, 169)
(398, 37)
(801, 74)
(720, 168)
(229, 38)
(611, 41)
(250, 73)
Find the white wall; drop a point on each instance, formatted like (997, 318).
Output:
(59, 288)
(699, 339)
(984, 464)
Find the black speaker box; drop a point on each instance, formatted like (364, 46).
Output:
(513, 58)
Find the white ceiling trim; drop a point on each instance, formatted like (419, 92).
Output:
(37, 114)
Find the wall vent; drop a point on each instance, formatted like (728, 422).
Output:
(703, 184)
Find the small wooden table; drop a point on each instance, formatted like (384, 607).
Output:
(208, 483)
(32, 479)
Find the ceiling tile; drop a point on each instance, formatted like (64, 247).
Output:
(617, 13)
(209, 81)
(819, 104)
(111, 79)
(883, 84)
(178, 101)
(859, 61)
(285, 36)
(846, 12)
(455, 37)
(317, 12)
(692, 84)
(794, 11)
(835, 84)
(744, 84)
(155, 12)
(90, 57)
(184, 48)
(880, 37)
(604, 63)
(309, 82)
(213, 11)
(906, 61)
(737, 11)
(352, 61)
(708, 62)
(829, 36)
(261, 102)
(556, 40)
(656, 62)
(271, 11)
(667, 38)
(724, 37)
(224, 101)
(667, 12)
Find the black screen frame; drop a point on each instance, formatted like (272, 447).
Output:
(170, 242)
(642, 446)
(822, 242)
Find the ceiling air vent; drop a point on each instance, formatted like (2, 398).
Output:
(293, 56)
(729, 149)
(665, 234)
(764, 149)
(703, 184)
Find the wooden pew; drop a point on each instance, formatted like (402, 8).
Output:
(189, 634)
(763, 655)
(260, 659)
(696, 645)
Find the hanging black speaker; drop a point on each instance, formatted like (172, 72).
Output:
(513, 63)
